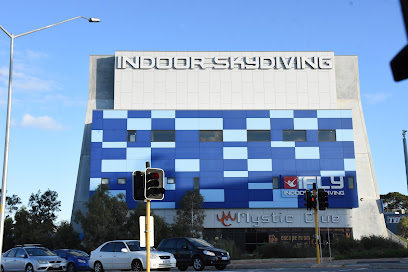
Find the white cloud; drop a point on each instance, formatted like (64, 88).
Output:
(41, 122)
(376, 98)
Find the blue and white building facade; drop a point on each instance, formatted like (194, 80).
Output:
(250, 130)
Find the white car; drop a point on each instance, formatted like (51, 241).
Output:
(127, 255)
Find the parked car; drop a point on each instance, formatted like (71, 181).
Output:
(127, 255)
(195, 252)
(77, 260)
(31, 259)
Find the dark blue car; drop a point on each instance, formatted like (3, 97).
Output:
(77, 260)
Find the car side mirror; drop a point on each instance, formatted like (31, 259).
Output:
(124, 250)
(185, 247)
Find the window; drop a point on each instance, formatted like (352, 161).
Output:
(182, 244)
(196, 184)
(171, 243)
(163, 136)
(108, 248)
(121, 180)
(350, 181)
(171, 180)
(105, 181)
(294, 135)
(210, 135)
(275, 182)
(327, 135)
(12, 253)
(131, 135)
(119, 246)
(259, 135)
(20, 253)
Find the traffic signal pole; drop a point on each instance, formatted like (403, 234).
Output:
(147, 235)
(316, 226)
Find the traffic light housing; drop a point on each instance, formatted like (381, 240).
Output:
(310, 200)
(323, 198)
(154, 184)
(138, 179)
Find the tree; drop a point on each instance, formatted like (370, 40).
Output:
(189, 219)
(23, 229)
(104, 219)
(395, 200)
(8, 237)
(66, 237)
(12, 202)
(403, 227)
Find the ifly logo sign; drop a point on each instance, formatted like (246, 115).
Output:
(295, 186)
(290, 182)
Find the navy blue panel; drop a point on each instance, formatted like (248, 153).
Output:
(326, 181)
(207, 182)
(276, 135)
(282, 123)
(346, 123)
(331, 152)
(138, 144)
(186, 175)
(235, 195)
(236, 144)
(258, 114)
(235, 165)
(347, 143)
(332, 164)
(211, 144)
(236, 183)
(185, 183)
(259, 144)
(231, 205)
(115, 124)
(282, 152)
(234, 123)
(260, 195)
(170, 195)
(97, 124)
(260, 177)
(312, 144)
(187, 113)
(96, 150)
(235, 114)
(331, 144)
(215, 175)
(307, 165)
(329, 123)
(211, 114)
(114, 153)
(312, 135)
(163, 123)
(96, 169)
(259, 153)
(284, 165)
(163, 153)
(211, 165)
(211, 153)
(213, 205)
(187, 144)
(139, 114)
(187, 153)
(114, 135)
(166, 165)
(143, 136)
(187, 135)
(304, 113)
(97, 114)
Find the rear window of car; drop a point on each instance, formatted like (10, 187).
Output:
(39, 252)
(11, 253)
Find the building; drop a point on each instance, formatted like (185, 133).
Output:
(250, 130)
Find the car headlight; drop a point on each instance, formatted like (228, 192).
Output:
(81, 261)
(227, 253)
(153, 256)
(42, 261)
(209, 253)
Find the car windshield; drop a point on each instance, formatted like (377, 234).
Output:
(77, 253)
(133, 245)
(39, 252)
(199, 242)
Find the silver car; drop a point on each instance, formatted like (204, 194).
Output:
(31, 259)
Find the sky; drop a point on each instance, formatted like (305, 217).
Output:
(51, 69)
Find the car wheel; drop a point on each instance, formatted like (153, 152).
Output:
(137, 266)
(198, 263)
(98, 267)
(71, 267)
(220, 266)
(2, 269)
(182, 268)
(29, 268)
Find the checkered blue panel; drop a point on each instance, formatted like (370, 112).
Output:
(234, 172)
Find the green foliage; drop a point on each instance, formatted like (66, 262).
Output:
(66, 237)
(374, 254)
(11, 203)
(395, 200)
(8, 239)
(403, 227)
(44, 206)
(284, 250)
(228, 245)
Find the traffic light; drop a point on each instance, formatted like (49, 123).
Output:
(310, 200)
(399, 64)
(138, 178)
(322, 196)
(154, 184)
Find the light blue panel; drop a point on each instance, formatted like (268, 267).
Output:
(282, 144)
(235, 174)
(135, 165)
(349, 165)
(211, 124)
(309, 152)
(281, 113)
(284, 202)
(97, 136)
(212, 195)
(346, 114)
(117, 192)
(260, 186)
(169, 187)
(261, 204)
(187, 123)
(114, 145)
(305, 123)
(163, 114)
(114, 166)
(94, 183)
(108, 114)
(163, 144)
(162, 205)
(235, 153)
(139, 153)
(332, 173)
(258, 123)
(260, 165)
(187, 165)
(329, 113)
(344, 135)
(139, 124)
(235, 135)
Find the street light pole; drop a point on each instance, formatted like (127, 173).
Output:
(404, 141)
(7, 138)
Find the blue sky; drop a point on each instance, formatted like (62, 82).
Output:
(51, 67)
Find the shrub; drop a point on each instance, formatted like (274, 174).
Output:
(229, 246)
(284, 250)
